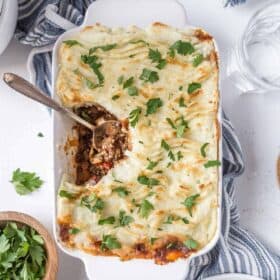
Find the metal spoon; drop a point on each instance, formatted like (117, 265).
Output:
(26, 88)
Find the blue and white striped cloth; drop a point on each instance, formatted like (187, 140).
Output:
(237, 251)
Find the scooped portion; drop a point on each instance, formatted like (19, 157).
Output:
(111, 141)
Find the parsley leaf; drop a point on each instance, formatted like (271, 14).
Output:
(134, 116)
(104, 48)
(115, 97)
(74, 230)
(197, 60)
(145, 208)
(169, 220)
(4, 244)
(171, 123)
(152, 105)
(152, 164)
(212, 163)
(107, 221)
(120, 79)
(92, 202)
(171, 155)
(95, 66)
(153, 239)
(121, 191)
(25, 182)
(164, 145)
(72, 43)
(149, 76)
(132, 91)
(66, 194)
(182, 47)
(190, 202)
(185, 220)
(128, 82)
(154, 55)
(124, 220)
(202, 149)
(182, 102)
(180, 130)
(191, 244)
(144, 180)
(179, 155)
(193, 87)
(110, 242)
(161, 64)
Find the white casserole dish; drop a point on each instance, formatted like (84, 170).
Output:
(111, 13)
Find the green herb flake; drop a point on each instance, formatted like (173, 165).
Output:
(183, 47)
(161, 64)
(180, 88)
(171, 155)
(134, 116)
(40, 134)
(153, 105)
(152, 164)
(154, 55)
(25, 182)
(212, 163)
(93, 203)
(190, 202)
(107, 221)
(171, 123)
(144, 180)
(132, 91)
(109, 242)
(149, 76)
(120, 79)
(121, 191)
(182, 102)
(191, 244)
(179, 155)
(169, 220)
(180, 130)
(185, 220)
(145, 208)
(74, 231)
(124, 220)
(203, 148)
(104, 48)
(90, 84)
(193, 87)
(115, 97)
(71, 43)
(66, 194)
(153, 240)
(197, 60)
(165, 145)
(128, 82)
(139, 41)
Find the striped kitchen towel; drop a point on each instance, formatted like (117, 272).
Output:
(237, 251)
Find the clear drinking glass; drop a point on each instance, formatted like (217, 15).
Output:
(254, 64)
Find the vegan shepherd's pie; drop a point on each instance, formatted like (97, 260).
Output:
(151, 190)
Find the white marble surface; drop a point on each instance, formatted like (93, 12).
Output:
(255, 117)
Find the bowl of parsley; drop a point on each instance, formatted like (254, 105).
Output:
(27, 250)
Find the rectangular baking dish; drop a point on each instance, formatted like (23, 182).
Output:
(111, 13)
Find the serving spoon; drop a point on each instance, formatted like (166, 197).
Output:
(100, 132)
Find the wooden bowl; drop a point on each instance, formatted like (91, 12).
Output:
(20, 218)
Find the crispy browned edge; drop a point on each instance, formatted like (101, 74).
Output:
(144, 250)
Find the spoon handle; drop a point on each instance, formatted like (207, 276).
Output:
(26, 88)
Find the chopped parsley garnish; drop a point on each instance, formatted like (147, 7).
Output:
(90, 84)
(153, 105)
(212, 163)
(171, 155)
(93, 203)
(40, 134)
(144, 180)
(121, 191)
(182, 48)
(190, 202)
(191, 244)
(95, 66)
(149, 76)
(197, 60)
(179, 155)
(128, 82)
(193, 87)
(115, 97)
(153, 240)
(169, 220)
(171, 123)
(139, 41)
(72, 43)
(23, 253)
(155, 56)
(134, 116)
(185, 220)
(164, 145)
(202, 149)
(180, 128)
(132, 91)
(124, 220)
(107, 221)
(25, 182)
(74, 230)
(152, 164)
(180, 88)
(120, 79)
(109, 242)
(66, 194)
(182, 102)
(145, 208)
(104, 48)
